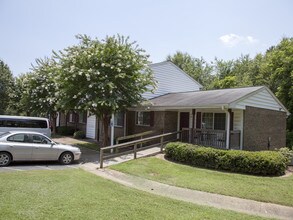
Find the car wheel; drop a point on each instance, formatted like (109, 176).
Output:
(66, 158)
(5, 159)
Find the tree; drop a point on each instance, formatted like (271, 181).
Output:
(6, 83)
(19, 102)
(198, 69)
(278, 65)
(103, 77)
(43, 90)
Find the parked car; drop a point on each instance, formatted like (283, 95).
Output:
(34, 146)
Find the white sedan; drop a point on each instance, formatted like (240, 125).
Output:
(34, 146)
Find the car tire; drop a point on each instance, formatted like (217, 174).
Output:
(5, 159)
(66, 158)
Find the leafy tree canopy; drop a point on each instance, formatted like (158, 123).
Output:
(104, 76)
(6, 84)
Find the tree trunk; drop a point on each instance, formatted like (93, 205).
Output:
(53, 122)
(106, 122)
(54, 130)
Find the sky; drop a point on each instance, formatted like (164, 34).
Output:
(224, 29)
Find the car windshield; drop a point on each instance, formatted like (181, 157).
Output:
(4, 134)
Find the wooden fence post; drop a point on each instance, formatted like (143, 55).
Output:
(134, 150)
(162, 139)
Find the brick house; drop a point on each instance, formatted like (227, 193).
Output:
(250, 118)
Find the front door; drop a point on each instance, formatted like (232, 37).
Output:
(184, 120)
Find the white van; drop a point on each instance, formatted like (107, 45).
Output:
(22, 123)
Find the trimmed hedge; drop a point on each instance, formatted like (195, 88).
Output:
(79, 135)
(257, 163)
(65, 130)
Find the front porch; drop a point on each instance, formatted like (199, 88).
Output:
(201, 126)
(211, 138)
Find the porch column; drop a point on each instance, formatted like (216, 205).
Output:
(228, 116)
(178, 124)
(193, 125)
(112, 130)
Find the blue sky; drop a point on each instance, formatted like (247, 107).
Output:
(225, 29)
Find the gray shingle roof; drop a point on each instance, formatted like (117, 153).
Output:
(202, 98)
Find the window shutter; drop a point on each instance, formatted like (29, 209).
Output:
(152, 118)
(231, 120)
(198, 120)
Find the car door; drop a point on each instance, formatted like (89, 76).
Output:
(42, 148)
(19, 146)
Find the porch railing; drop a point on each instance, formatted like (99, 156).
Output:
(211, 138)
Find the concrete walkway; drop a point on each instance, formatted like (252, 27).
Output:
(197, 197)
(127, 157)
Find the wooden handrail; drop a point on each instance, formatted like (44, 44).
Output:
(134, 143)
(134, 136)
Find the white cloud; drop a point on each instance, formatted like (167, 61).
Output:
(232, 40)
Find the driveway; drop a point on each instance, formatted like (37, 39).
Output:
(87, 156)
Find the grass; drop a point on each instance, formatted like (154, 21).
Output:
(93, 146)
(266, 189)
(76, 194)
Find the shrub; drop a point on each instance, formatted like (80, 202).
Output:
(286, 152)
(79, 135)
(258, 163)
(65, 130)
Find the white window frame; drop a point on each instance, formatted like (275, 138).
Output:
(116, 120)
(71, 117)
(213, 120)
(80, 119)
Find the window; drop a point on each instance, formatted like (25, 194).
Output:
(215, 121)
(220, 121)
(207, 121)
(18, 138)
(23, 123)
(143, 118)
(119, 119)
(71, 117)
(39, 139)
(82, 117)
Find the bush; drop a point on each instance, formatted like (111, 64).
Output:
(258, 163)
(65, 130)
(286, 152)
(79, 135)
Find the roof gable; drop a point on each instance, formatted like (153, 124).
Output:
(262, 98)
(171, 79)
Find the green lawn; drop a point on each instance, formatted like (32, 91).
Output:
(76, 194)
(267, 189)
(93, 146)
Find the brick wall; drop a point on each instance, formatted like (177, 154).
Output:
(259, 125)
(164, 121)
